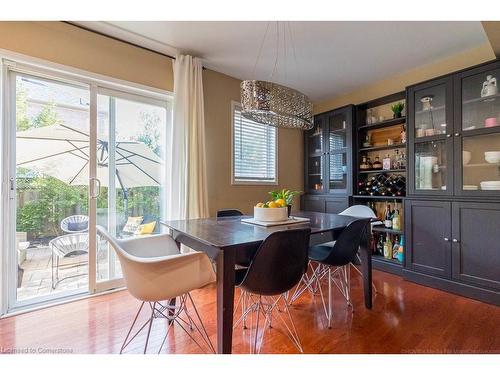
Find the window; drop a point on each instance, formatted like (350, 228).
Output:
(254, 151)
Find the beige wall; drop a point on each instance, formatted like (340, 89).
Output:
(220, 90)
(66, 44)
(398, 82)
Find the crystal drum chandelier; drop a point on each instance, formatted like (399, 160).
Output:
(273, 104)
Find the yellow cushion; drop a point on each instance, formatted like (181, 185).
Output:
(132, 224)
(147, 228)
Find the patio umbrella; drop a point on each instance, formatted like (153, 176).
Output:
(63, 152)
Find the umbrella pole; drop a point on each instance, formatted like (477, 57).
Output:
(125, 202)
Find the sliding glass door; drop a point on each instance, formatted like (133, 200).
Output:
(130, 153)
(78, 155)
(51, 172)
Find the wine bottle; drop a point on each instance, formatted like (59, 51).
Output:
(387, 217)
(396, 221)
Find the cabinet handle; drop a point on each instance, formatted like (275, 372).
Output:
(448, 135)
(447, 239)
(457, 134)
(455, 240)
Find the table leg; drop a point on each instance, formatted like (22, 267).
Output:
(366, 267)
(225, 301)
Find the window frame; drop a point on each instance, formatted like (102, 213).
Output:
(250, 182)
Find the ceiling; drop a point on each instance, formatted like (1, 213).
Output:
(331, 57)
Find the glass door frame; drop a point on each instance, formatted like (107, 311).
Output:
(347, 111)
(447, 81)
(10, 65)
(460, 134)
(96, 286)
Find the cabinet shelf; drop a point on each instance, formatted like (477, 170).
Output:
(480, 100)
(371, 171)
(385, 147)
(380, 258)
(383, 124)
(482, 165)
(381, 228)
(434, 109)
(379, 197)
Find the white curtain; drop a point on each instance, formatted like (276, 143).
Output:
(186, 188)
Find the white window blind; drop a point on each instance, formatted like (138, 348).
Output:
(254, 150)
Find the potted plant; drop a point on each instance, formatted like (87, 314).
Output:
(397, 109)
(285, 195)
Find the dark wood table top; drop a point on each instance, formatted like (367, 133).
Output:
(230, 231)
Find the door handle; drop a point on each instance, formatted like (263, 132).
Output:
(455, 240)
(12, 189)
(446, 239)
(92, 180)
(457, 134)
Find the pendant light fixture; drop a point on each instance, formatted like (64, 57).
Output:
(273, 104)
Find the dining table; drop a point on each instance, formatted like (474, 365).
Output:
(228, 241)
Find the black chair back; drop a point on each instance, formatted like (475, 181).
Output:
(347, 245)
(279, 263)
(229, 212)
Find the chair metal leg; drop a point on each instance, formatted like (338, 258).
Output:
(330, 298)
(130, 330)
(150, 324)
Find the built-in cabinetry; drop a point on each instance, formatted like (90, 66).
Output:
(453, 206)
(328, 161)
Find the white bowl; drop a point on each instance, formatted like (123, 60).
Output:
(492, 157)
(490, 185)
(466, 155)
(270, 214)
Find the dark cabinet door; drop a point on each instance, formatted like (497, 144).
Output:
(477, 132)
(311, 203)
(336, 205)
(430, 138)
(428, 231)
(315, 156)
(476, 243)
(338, 149)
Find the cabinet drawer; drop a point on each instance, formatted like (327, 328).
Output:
(316, 204)
(337, 205)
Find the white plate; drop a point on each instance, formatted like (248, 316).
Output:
(289, 221)
(470, 187)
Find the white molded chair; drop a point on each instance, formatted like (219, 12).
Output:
(154, 271)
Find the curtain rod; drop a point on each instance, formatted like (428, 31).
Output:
(120, 40)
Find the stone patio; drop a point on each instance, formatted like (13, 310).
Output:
(37, 277)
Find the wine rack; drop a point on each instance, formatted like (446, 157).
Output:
(375, 184)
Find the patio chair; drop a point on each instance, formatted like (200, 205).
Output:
(67, 246)
(75, 224)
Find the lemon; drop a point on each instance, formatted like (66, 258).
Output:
(280, 202)
(260, 204)
(273, 205)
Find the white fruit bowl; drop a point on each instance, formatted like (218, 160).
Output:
(492, 157)
(270, 214)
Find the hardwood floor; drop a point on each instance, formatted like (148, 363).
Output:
(406, 318)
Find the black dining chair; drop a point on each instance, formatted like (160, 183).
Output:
(228, 213)
(334, 259)
(278, 265)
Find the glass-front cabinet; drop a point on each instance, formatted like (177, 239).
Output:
(477, 134)
(339, 137)
(328, 153)
(430, 127)
(315, 156)
(454, 134)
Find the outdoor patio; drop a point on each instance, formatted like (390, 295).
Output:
(37, 277)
